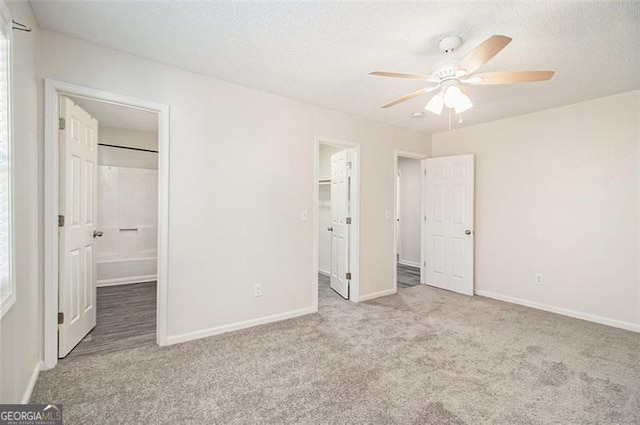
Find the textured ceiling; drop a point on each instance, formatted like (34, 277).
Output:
(116, 116)
(321, 52)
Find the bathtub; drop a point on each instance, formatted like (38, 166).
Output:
(124, 271)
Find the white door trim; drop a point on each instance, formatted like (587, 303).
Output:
(354, 246)
(53, 89)
(398, 153)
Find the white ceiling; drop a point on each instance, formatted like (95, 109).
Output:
(321, 52)
(117, 116)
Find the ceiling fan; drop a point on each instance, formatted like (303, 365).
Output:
(450, 76)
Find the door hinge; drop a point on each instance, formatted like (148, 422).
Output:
(348, 220)
(62, 123)
(60, 221)
(60, 317)
(349, 164)
(348, 277)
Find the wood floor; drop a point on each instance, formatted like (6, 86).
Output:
(126, 318)
(408, 276)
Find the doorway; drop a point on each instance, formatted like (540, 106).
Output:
(445, 192)
(449, 192)
(116, 150)
(337, 221)
(117, 253)
(408, 249)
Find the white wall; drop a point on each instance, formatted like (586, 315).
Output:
(125, 157)
(127, 199)
(20, 327)
(557, 193)
(126, 137)
(241, 170)
(324, 207)
(324, 160)
(410, 209)
(128, 217)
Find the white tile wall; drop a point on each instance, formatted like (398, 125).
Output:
(127, 214)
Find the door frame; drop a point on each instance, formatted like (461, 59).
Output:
(53, 90)
(398, 153)
(354, 235)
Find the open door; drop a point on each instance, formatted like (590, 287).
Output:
(78, 217)
(340, 221)
(448, 231)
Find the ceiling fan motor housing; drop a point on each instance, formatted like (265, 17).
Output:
(446, 68)
(445, 72)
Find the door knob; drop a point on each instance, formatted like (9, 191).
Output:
(97, 233)
(330, 229)
(467, 232)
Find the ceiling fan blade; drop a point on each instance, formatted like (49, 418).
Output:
(399, 75)
(409, 96)
(511, 77)
(483, 53)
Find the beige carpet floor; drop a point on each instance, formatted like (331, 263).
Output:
(423, 356)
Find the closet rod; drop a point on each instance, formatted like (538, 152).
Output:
(126, 147)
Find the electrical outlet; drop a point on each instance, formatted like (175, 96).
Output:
(257, 290)
(539, 279)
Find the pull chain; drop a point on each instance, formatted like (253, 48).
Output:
(449, 54)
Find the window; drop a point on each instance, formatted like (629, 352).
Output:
(7, 281)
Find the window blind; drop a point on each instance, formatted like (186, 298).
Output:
(7, 290)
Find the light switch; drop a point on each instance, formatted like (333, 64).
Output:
(387, 215)
(304, 215)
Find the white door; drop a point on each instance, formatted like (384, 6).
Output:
(449, 190)
(340, 221)
(78, 205)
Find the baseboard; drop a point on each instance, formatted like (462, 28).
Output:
(127, 280)
(409, 263)
(377, 295)
(31, 384)
(324, 272)
(563, 311)
(190, 336)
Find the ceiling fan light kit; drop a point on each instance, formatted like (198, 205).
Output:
(450, 75)
(456, 98)
(436, 104)
(452, 96)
